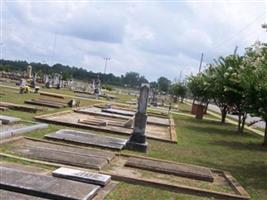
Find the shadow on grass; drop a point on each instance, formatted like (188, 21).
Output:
(222, 131)
(251, 146)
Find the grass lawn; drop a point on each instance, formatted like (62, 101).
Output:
(202, 142)
(210, 144)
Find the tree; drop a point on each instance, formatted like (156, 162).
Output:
(153, 85)
(254, 80)
(72, 72)
(233, 89)
(163, 84)
(179, 90)
(197, 87)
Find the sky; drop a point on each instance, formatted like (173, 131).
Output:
(153, 38)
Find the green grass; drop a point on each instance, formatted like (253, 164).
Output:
(209, 144)
(137, 192)
(201, 142)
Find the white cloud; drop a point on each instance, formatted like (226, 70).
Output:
(154, 39)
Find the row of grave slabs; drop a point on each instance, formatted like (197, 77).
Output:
(77, 150)
(114, 119)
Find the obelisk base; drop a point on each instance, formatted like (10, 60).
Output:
(141, 147)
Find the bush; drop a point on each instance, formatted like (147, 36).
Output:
(107, 87)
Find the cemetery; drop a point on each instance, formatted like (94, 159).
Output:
(67, 139)
(81, 157)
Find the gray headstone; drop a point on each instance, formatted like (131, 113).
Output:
(82, 176)
(142, 101)
(137, 140)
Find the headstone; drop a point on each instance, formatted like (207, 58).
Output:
(45, 186)
(48, 82)
(137, 140)
(29, 71)
(154, 98)
(33, 83)
(59, 82)
(82, 176)
(22, 82)
(97, 86)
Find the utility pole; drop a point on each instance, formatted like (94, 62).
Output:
(235, 51)
(264, 26)
(106, 63)
(180, 77)
(200, 65)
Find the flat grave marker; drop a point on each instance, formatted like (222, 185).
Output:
(87, 138)
(9, 120)
(63, 154)
(82, 176)
(45, 186)
(118, 111)
(195, 172)
(9, 195)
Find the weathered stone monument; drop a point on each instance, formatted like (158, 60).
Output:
(58, 82)
(29, 71)
(137, 140)
(98, 86)
(154, 98)
(33, 83)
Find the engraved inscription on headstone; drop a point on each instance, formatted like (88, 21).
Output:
(82, 176)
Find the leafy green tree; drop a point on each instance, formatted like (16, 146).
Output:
(163, 84)
(153, 85)
(254, 81)
(72, 72)
(179, 90)
(234, 93)
(197, 87)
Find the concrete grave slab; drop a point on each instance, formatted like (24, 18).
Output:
(44, 103)
(20, 107)
(87, 138)
(45, 186)
(187, 171)
(70, 118)
(118, 111)
(73, 156)
(97, 111)
(8, 120)
(14, 129)
(62, 157)
(224, 185)
(9, 195)
(82, 176)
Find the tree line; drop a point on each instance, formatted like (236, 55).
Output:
(129, 79)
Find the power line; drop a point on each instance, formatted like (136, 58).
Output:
(234, 35)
